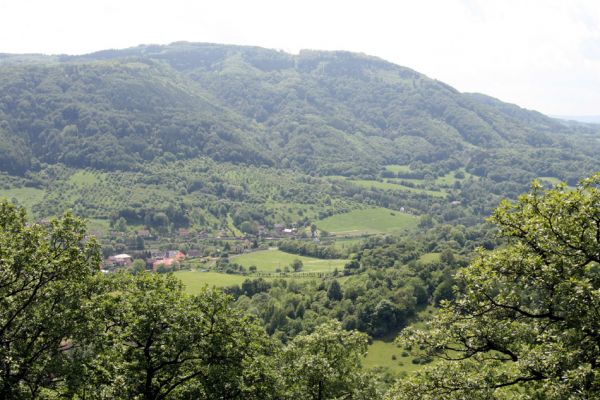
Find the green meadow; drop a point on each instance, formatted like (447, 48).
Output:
(270, 260)
(388, 355)
(430, 258)
(196, 280)
(396, 168)
(26, 197)
(367, 221)
(392, 184)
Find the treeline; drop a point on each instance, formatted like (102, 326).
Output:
(388, 283)
(378, 302)
(325, 113)
(309, 249)
(68, 331)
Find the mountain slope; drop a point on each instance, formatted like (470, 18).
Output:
(322, 112)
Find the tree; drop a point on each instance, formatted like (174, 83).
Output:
(137, 266)
(156, 342)
(525, 321)
(249, 227)
(326, 365)
(335, 291)
(45, 270)
(297, 265)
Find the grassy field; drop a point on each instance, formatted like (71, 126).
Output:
(195, 280)
(346, 243)
(447, 180)
(27, 197)
(367, 221)
(391, 184)
(378, 185)
(84, 178)
(550, 179)
(98, 226)
(396, 168)
(430, 257)
(382, 353)
(270, 260)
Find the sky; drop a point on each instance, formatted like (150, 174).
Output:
(540, 54)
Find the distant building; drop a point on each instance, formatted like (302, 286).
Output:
(175, 254)
(167, 259)
(184, 232)
(120, 260)
(143, 233)
(194, 253)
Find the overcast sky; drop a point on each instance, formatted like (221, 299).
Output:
(542, 55)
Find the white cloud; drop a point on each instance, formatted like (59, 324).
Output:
(539, 54)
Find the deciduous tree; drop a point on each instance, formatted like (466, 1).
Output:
(44, 279)
(525, 322)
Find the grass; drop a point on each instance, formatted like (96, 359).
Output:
(98, 226)
(83, 178)
(377, 184)
(444, 181)
(396, 168)
(194, 281)
(289, 212)
(390, 184)
(430, 258)
(367, 221)
(381, 352)
(346, 243)
(26, 197)
(550, 179)
(381, 355)
(270, 260)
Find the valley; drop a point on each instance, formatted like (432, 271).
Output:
(328, 192)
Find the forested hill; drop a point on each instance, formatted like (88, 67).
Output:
(330, 113)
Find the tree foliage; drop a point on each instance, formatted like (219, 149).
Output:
(69, 331)
(326, 365)
(525, 321)
(44, 271)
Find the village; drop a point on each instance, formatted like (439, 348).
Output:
(143, 251)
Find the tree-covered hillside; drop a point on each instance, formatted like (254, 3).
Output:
(325, 193)
(331, 113)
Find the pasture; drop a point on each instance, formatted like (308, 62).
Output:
(367, 221)
(429, 258)
(396, 185)
(26, 197)
(270, 260)
(389, 355)
(196, 280)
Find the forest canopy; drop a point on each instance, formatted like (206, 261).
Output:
(525, 321)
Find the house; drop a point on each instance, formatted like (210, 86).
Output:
(120, 260)
(175, 254)
(167, 262)
(184, 232)
(167, 259)
(194, 253)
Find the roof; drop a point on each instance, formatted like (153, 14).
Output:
(122, 256)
